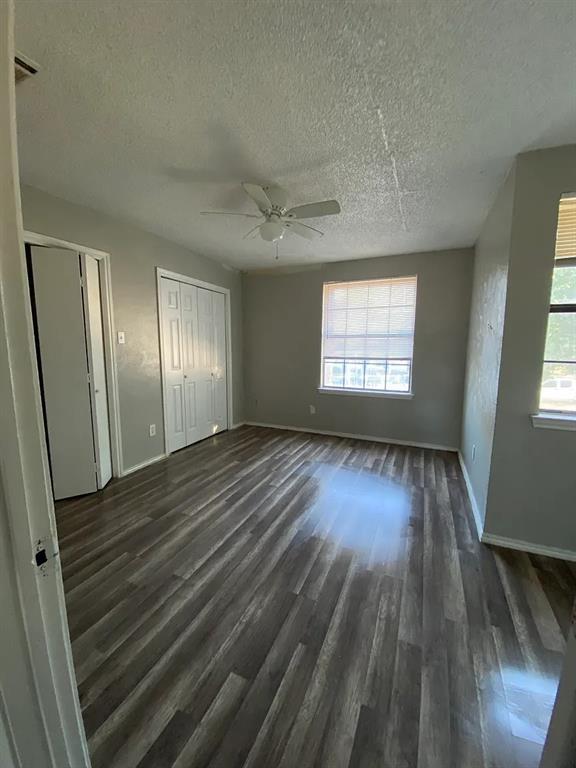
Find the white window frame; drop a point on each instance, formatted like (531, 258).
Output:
(347, 391)
(547, 418)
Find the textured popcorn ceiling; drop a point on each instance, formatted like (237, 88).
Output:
(408, 112)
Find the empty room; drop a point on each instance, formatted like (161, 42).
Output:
(288, 384)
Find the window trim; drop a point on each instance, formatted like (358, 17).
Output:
(367, 393)
(389, 393)
(557, 419)
(563, 420)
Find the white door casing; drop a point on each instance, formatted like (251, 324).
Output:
(42, 715)
(64, 370)
(97, 367)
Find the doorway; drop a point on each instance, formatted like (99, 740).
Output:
(70, 300)
(195, 357)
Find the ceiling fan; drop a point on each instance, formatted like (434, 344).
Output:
(278, 220)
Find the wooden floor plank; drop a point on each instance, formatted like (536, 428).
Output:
(275, 599)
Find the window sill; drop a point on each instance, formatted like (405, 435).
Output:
(549, 420)
(366, 393)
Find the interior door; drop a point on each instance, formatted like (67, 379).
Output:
(196, 375)
(97, 368)
(173, 368)
(64, 370)
(194, 360)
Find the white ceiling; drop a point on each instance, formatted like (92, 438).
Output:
(409, 112)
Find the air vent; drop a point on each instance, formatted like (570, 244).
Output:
(24, 68)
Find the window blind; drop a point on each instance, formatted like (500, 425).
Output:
(369, 319)
(566, 232)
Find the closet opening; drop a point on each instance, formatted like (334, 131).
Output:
(195, 354)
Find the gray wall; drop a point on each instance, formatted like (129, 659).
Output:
(134, 256)
(282, 321)
(485, 342)
(532, 494)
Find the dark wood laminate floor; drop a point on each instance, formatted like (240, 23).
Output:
(273, 599)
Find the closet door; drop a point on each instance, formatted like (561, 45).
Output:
(220, 415)
(173, 366)
(194, 373)
(61, 338)
(194, 342)
(204, 373)
(97, 368)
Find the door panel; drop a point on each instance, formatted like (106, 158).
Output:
(175, 361)
(194, 373)
(191, 406)
(97, 366)
(173, 370)
(64, 370)
(220, 414)
(205, 330)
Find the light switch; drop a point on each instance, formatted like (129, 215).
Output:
(121, 337)
(152, 430)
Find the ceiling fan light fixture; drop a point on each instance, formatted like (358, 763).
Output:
(272, 231)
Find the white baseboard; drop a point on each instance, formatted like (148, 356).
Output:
(503, 541)
(472, 497)
(354, 436)
(143, 464)
(239, 424)
(527, 546)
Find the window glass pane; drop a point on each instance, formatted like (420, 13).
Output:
(398, 377)
(354, 374)
(375, 376)
(334, 373)
(561, 337)
(558, 391)
(564, 286)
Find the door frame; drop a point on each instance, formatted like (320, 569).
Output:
(160, 273)
(43, 713)
(103, 258)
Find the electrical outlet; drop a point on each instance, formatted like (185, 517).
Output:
(474, 452)
(312, 409)
(152, 430)
(121, 337)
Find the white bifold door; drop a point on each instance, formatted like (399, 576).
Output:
(65, 288)
(193, 330)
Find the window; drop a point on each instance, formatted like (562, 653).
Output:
(558, 391)
(368, 335)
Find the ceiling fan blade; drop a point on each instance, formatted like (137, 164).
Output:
(229, 213)
(314, 210)
(277, 196)
(252, 232)
(258, 195)
(304, 230)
